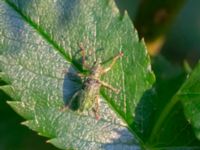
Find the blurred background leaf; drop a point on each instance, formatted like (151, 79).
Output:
(186, 32)
(183, 27)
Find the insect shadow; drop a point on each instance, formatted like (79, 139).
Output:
(71, 85)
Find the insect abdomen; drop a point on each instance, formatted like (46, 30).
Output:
(91, 91)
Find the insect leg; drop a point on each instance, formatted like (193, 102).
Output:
(113, 62)
(108, 86)
(74, 100)
(83, 56)
(96, 109)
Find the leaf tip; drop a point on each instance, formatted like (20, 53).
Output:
(9, 102)
(25, 123)
(48, 141)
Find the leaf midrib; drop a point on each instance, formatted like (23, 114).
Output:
(45, 35)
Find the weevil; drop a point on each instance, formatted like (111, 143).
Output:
(88, 96)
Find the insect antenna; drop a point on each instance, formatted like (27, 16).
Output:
(111, 58)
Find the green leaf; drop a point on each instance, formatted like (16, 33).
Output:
(189, 95)
(39, 39)
(165, 126)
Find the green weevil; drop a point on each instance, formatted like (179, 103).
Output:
(88, 96)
